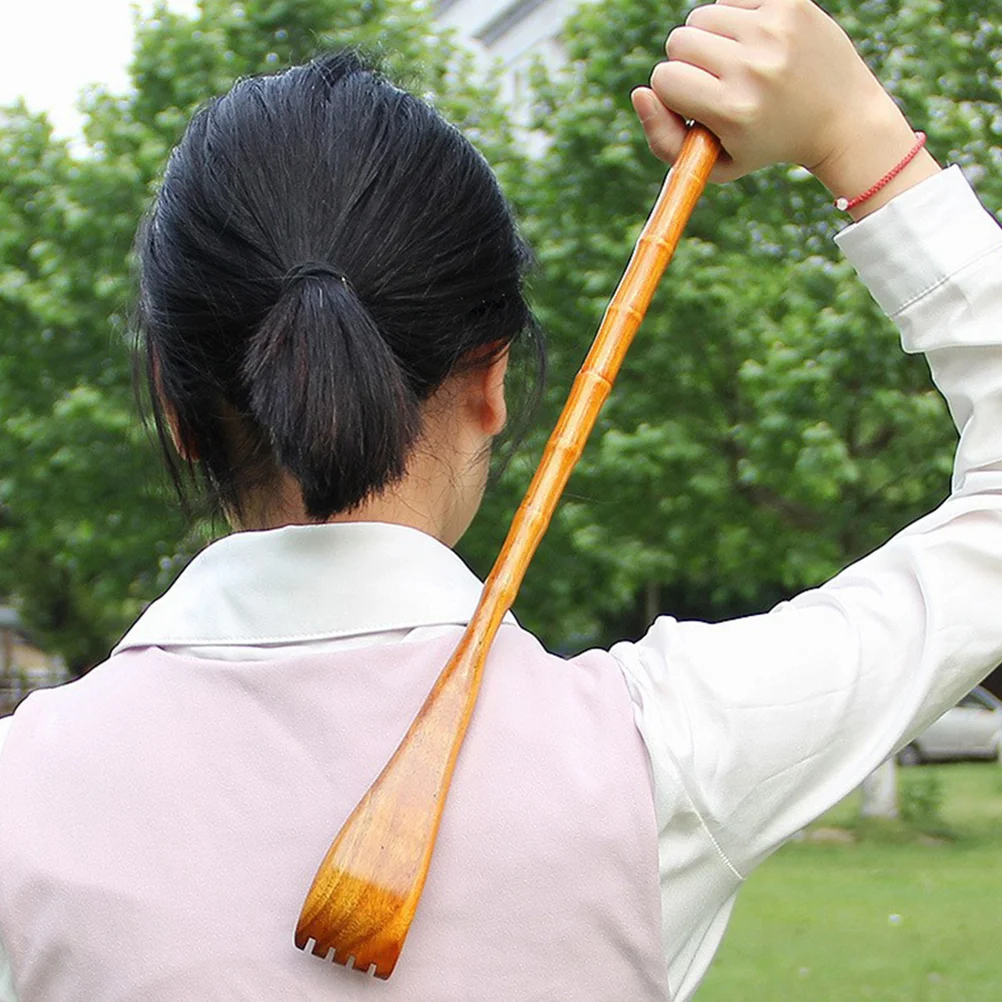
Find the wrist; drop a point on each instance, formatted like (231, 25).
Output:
(875, 143)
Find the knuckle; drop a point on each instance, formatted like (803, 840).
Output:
(771, 65)
(772, 53)
(769, 32)
(741, 111)
(779, 26)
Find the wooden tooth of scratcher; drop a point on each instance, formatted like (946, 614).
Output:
(367, 888)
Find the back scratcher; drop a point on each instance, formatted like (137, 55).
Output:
(365, 893)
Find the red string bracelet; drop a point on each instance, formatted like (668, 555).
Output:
(845, 204)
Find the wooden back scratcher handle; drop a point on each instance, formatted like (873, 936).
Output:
(367, 888)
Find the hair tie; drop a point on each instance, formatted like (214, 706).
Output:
(313, 269)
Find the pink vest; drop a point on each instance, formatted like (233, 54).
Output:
(162, 819)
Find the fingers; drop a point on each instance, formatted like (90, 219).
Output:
(724, 66)
(663, 128)
(666, 132)
(689, 91)
(731, 22)
(704, 49)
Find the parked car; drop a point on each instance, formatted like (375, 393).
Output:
(971, 729)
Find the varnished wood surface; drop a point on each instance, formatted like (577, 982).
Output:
(367, 888)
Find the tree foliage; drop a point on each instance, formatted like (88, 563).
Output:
(766, 428)
(88, 533)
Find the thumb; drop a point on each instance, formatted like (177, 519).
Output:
(664, 129)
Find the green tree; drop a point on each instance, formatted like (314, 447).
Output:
(766, 429)
(88, 532)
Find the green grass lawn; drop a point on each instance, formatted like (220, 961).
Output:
(896, 917)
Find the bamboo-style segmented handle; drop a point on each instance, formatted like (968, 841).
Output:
(367, 888)
(654, 250)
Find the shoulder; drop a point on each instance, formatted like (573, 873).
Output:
(584, 694)
(523, 652)
(58, 722)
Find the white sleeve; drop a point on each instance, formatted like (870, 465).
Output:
(7, 993)
(767, 721)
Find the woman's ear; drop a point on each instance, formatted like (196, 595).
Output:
(186, 452)
(494, 411)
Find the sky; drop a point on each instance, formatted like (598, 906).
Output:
(51, 49)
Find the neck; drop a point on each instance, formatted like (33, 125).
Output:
(445, 478)
(429, 498)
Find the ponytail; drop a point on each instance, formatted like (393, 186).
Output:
(329, 393)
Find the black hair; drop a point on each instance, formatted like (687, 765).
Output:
(324, 250)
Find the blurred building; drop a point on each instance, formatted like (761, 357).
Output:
(511, 32)
(23, 665)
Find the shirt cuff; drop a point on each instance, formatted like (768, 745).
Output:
(928, 233)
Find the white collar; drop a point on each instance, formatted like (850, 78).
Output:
(317, 582)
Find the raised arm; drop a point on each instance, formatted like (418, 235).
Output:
(767, 721)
